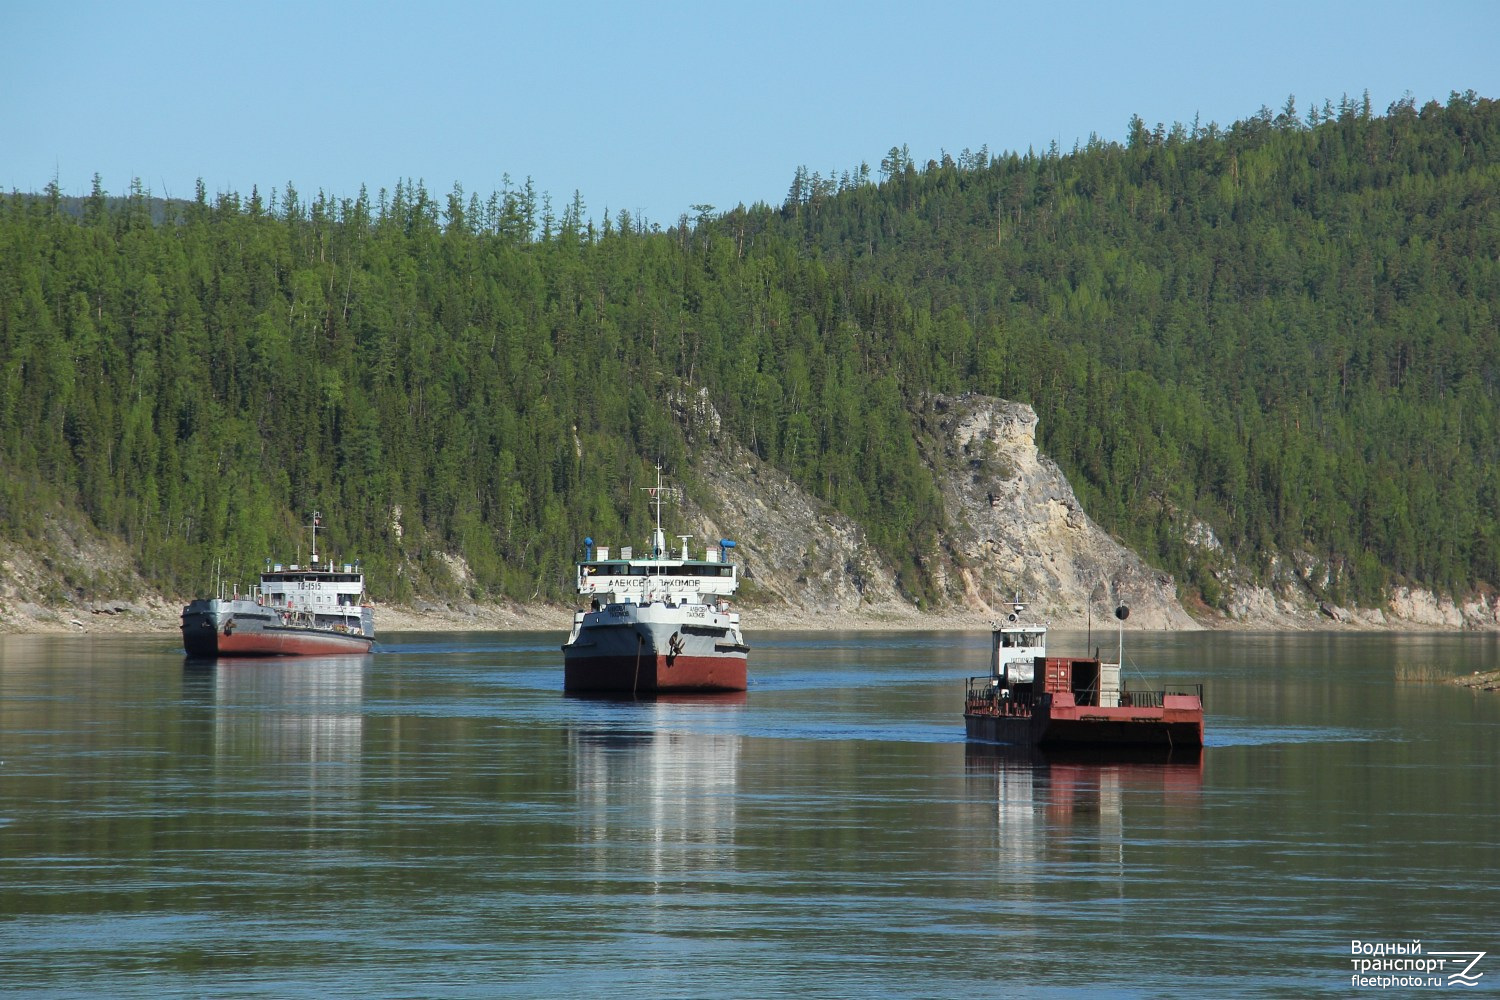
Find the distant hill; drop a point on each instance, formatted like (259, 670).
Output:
(1259, 352)
(1264, 355)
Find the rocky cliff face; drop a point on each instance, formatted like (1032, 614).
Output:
(799, 555)
(71, 578)
(1014, 527)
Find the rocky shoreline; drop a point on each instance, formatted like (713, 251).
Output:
(160, 615)
(157, 616)
(1488, 680)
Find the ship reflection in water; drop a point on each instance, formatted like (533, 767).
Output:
(1064, 808)
(654, 796)
(289, 711)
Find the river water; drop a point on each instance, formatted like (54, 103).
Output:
(437, 819)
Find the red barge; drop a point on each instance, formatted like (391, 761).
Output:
(315, 610)
(1031, 699)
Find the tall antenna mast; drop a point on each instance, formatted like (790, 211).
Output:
(658, 495)
(317, 520)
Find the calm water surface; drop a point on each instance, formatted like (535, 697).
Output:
(438, 820)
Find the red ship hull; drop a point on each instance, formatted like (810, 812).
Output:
(275, 642)
(1179, 723)
(1058, 721)
(213, 628)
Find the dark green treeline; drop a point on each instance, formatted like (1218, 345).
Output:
(471, 377)
(1284, 331)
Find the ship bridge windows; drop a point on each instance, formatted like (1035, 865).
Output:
(629, 569)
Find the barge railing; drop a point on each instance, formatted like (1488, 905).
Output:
(985, 697)
(1132, 698)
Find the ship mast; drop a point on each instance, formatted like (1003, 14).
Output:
(658, 496)
(317, 520)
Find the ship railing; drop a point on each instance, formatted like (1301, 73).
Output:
(986, 697)
(1133, 698)
(308, 619)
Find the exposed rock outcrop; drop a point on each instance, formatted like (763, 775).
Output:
(72, 579)
(799, 554)
(1013, 527)
(1016, 527)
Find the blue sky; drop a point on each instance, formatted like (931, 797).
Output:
(655, 107)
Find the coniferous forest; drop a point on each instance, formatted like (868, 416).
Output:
(1274, 340)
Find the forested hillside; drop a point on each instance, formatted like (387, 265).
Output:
(1285, 332)
(1268, 344)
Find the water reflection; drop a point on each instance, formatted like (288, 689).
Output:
(287, 711)
(1080, 806)
(649, 786)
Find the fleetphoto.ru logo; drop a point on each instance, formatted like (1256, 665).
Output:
(1384, 965)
